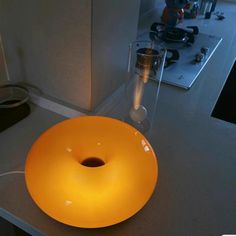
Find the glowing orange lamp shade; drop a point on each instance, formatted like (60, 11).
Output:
(91, 171)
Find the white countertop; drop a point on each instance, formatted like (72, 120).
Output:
(196, 191)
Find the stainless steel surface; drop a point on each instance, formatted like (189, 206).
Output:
(185, 71)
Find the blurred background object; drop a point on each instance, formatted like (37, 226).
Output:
(191, 9)
(173, 13)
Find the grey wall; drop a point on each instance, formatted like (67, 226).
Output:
(150, 11)
(3, 69)
(48, 45)
(114, 27)
(74, 51)
(147, 5)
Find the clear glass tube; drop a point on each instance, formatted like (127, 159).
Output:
(137, 98)
(145, 69)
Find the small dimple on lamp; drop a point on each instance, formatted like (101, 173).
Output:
(91, 171)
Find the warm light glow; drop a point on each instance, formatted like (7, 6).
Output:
(98, 196)
(138, 93)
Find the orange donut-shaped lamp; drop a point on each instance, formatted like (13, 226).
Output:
(91, 171)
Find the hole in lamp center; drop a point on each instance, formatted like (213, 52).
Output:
(92, 162)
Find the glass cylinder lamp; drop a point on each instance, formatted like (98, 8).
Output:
(144, 74)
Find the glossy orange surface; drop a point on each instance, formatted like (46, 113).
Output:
(62, 183)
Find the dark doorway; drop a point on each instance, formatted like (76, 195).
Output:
(225, 108)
